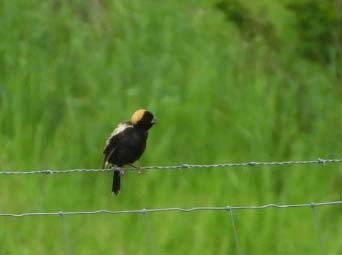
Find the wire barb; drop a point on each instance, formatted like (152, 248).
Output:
(182, 166)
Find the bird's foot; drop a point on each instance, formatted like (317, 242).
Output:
(140, 170)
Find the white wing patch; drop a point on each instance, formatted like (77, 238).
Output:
(121, 127)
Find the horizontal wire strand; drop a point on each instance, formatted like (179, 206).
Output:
(174, 209)
(179, 167)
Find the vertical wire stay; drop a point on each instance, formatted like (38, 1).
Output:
(236, 237)
(318, 228)
(149, 233)
(67, 244)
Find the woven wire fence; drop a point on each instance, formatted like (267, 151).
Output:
(146, 212)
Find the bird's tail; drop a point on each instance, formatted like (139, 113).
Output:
(116, 182)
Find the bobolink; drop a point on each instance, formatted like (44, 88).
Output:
(127, 143)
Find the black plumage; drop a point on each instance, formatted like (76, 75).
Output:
(127, 143)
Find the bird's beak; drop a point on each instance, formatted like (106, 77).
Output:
(154, 120)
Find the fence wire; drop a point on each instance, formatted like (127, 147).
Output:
(318, 230)
(173, 209)
(65, 229)
(235, 232)
(147, 212)
(178, 167)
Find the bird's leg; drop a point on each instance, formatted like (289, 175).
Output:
(140, 170)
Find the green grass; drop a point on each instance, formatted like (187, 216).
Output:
(69, 72)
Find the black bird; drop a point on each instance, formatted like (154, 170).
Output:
(127, 143)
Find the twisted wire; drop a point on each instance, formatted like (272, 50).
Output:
(174, 209)
(179, 167)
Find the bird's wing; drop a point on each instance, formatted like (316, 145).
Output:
(112, 142)
(108, 152)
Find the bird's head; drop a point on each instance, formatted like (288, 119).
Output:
(143, 119)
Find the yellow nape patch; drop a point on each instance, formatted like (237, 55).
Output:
(137, 116)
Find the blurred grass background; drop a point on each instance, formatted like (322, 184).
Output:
(229, 80)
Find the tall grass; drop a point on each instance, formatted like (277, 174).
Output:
(70, 71)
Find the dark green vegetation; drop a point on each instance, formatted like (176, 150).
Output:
(229, 81)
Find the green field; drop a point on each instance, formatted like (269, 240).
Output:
(229, 80)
